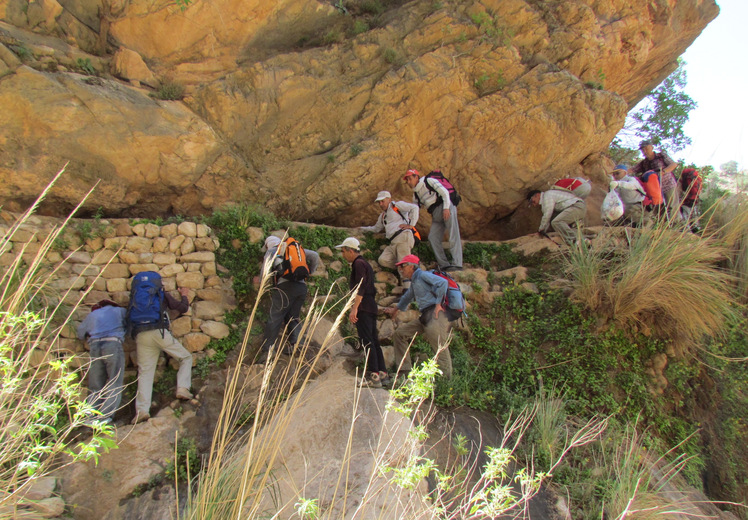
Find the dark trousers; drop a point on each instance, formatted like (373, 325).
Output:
(286, 300)
(366, 326)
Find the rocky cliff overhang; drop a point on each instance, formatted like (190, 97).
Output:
(309, 108)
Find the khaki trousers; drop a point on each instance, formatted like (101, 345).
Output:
(149, 346)
(435, 331)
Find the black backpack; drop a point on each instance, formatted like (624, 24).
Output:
(437, 175)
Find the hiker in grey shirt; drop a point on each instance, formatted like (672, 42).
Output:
(443, 217)
(397, 220)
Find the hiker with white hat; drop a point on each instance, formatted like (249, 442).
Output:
(363, 313)
(397, 220)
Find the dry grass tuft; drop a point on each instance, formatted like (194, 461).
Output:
(663, 280)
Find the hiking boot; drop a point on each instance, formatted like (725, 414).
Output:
(451, 268)
(384, 377)
(184, 394)
(261, 358)
(371, 381)
(140, 417)
(96, 420)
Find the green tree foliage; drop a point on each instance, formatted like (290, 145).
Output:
(659, 118)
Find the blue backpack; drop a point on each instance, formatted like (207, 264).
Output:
(454, 301)
(146, 310)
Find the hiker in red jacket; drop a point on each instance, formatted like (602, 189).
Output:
(690, 186)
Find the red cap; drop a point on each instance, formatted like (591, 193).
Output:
(409, 259)
(409, 173)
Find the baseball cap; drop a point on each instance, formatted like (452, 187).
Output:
(645, 143)
(383, 195)
(351, 243)
(409, 173)
(409, 259)
(271, 242)
(621, 167)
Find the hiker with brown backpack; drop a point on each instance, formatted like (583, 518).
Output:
(289, 266)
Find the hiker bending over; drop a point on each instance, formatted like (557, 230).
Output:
(429, 292)
(149, 323)
(104, 328)
(632, 195)
(431, 194)
(290, 267)
(397, 220)
(662, 164)
(569, 210)
(363, 313)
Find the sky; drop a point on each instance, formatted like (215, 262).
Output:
(717, 72)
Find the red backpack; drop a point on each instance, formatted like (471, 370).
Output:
(690, 182)
(650, 183)
(579, 187)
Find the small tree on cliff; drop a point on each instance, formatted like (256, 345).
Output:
(659, 118)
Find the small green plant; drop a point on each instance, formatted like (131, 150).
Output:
(183, 4)
(333, 36)
(360, 27)
(356, 149)
(170, 91)
(488, 83)
(331, 158)
(393, 57)
(186, 463)
(23, 52)
(307, 509)
(374, 7)
(85, 66)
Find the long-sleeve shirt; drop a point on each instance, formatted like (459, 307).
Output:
(427, 197)
(312, 261)
(389, 221)
(630, 191)
(554, 200)
(658, 163)
(106, 322)
(426, 289)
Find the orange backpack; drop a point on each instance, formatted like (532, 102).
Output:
(293, 266)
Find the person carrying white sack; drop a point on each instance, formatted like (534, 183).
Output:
(631, 194)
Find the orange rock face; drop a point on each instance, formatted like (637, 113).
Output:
(295, 105)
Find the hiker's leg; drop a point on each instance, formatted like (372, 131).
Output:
(402, 244)
(296, 292)
(453, 233)
(114, 363)
(401, 340)
(562, 224)
(174, 348)
(279, 303)
(388, 258)
(148, 353)
(96, 375)
(436, 235)
(436, 332)
(366, 326)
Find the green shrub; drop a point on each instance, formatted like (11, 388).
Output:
(170, 91)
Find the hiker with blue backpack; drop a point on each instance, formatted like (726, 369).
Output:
(435, 193)
(148, 322)
(440, 301)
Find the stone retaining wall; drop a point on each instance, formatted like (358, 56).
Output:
(96, 259)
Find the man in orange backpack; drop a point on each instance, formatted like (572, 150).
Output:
(288, 294)
(397, 220)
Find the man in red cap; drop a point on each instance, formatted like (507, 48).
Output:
(431, 194)
(429, 291)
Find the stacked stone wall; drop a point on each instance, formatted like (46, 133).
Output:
(96, 259)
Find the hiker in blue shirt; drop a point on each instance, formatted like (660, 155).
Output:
(104, 328)
(428, 290)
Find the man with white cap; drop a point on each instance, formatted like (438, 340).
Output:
(286, 299)
(397, 220)
(363, 313)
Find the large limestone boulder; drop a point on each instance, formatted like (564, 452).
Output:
(504, 96)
